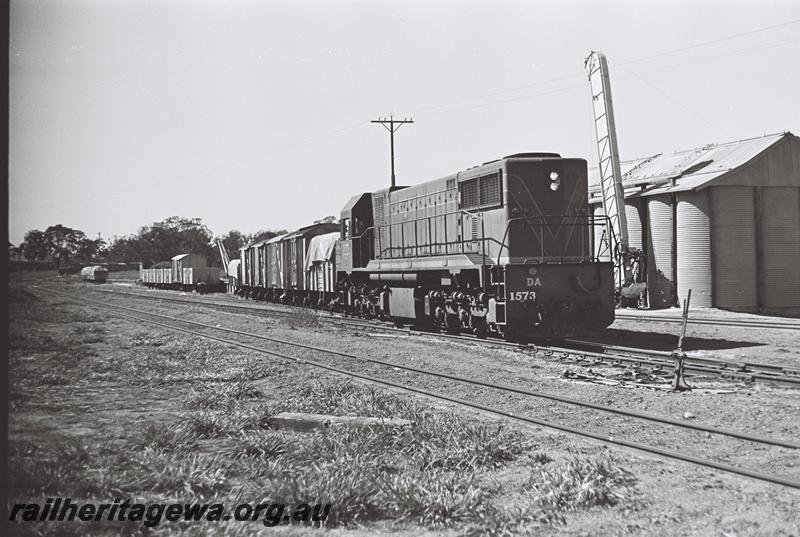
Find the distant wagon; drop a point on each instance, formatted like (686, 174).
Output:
(95, 274)
(158, 276)
(185, 272)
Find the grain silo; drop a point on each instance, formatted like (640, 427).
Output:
(724, 221)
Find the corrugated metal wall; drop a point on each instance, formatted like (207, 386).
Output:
(733, 247)
(693, 238)
(660, 274)
(633, 215)
(779, 241)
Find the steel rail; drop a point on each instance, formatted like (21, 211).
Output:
(777, 325)
(477, 382)
(731, 370)
(742, 367)
(535, 421)
(655, 359)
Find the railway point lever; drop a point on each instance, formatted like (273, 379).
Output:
(678, 382)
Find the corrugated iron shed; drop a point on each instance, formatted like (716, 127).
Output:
(692, 169)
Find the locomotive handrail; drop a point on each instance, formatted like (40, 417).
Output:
(590, 221)
(446, 244)
(376, 250)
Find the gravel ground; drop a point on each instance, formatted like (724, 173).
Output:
(674, 498)
(690, 500)
(754, 345)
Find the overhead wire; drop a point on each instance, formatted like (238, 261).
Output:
(343, 130)
(627, 62)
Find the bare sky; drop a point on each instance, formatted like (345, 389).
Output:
(255, 115)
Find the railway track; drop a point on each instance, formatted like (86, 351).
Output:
(777, 325)
(580, 352)
(355, 366)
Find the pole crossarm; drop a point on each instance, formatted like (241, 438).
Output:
(392, 125)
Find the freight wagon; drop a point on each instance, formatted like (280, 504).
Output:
(276, 270)
(185, 272)
(96, 274)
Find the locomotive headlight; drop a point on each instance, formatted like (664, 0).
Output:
(555, 181)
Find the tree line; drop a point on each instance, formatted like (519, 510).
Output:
(154, 243)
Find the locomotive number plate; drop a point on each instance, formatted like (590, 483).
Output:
(521, 295)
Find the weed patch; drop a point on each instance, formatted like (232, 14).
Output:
(304, 318)
(580, 484)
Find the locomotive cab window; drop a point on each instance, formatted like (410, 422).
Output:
(346, 233)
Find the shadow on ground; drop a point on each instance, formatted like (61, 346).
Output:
(668, 341)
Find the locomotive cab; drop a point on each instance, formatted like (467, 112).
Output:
(354, 248)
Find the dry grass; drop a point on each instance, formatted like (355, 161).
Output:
(215, 444)
(580, 484)
(304, 319)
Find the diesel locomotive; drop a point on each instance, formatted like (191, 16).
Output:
(500, 248)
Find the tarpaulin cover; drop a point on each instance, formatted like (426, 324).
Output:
(233, 268)
(320, 248)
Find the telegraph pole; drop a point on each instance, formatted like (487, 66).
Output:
(393, 125)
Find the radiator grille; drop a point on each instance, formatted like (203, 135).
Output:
(490, 190)
(380, 204)
(469, 194)
(481, 192)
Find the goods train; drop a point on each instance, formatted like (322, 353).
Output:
(502, 248)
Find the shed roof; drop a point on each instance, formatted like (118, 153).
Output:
(690, 169)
